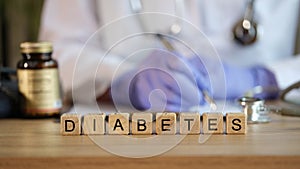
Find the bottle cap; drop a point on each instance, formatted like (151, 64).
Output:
(36, 47)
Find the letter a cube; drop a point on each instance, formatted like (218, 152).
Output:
(118, 123)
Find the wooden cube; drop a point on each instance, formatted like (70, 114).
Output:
(94, 124)
(213, 123)
(189, 123)
(141, 123)
(236, 123)
(118, 123)
(70, 124)
(165, 123)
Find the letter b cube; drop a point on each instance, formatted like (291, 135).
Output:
(142, 123)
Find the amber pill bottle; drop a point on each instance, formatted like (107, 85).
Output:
(38, 81)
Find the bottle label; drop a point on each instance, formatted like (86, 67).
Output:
(40, 89)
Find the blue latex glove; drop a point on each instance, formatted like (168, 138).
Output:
(239, 80)
(164, 81)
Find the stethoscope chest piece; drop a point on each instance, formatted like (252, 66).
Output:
(254, 109)
(245, 31)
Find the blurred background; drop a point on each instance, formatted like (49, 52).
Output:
(19, 21)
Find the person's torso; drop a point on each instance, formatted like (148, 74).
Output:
(125, 33)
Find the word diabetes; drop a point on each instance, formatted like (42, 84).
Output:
(153, 123)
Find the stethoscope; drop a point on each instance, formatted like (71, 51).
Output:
(245, 31)
(258, 111)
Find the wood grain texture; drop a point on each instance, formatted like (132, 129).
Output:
(39, 144)
(219, 162)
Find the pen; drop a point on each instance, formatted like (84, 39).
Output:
(205, 93)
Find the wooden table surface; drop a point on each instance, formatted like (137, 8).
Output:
(38, 144)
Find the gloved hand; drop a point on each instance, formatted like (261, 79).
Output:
(164, 81)
(238, 80)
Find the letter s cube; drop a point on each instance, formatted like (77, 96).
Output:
(236, 123)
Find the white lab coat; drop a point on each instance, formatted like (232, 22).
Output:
(70, 23)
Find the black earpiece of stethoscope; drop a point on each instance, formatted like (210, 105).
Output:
(245, 30)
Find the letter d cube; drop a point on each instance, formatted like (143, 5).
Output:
(70, 124)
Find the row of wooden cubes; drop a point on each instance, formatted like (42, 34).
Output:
(143, 124)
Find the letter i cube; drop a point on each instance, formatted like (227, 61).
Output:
(94, 124)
